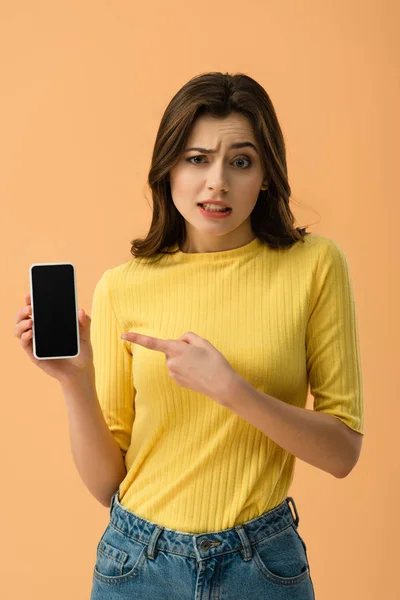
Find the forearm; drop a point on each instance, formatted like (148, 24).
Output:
(96, 454)
(315, 437)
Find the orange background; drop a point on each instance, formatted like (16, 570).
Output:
(83, 88)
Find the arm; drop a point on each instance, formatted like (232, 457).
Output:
(318, 438)
(96, 454)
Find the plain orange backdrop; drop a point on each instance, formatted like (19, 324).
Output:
(83, 88)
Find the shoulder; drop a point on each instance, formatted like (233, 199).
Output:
(319, 242)
(119, 272)
(324, 249)
(112, 280)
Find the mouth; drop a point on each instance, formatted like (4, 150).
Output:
(214, 214)
(225, 209)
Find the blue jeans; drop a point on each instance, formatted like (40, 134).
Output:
(264, 558)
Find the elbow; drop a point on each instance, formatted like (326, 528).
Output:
(345, 472)
(342, 475)
(107, 501)
(351, 450)
(104, 501)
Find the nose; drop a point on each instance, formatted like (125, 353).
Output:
(217, 177)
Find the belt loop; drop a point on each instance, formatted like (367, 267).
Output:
(247, 553)
(297, 519)
(113, 500)
(151, 546)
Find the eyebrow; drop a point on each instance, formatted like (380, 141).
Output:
(236, 145)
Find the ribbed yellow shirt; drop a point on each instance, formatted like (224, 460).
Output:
(284, 319)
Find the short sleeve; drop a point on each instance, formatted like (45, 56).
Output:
(113, 364)
(332, 341)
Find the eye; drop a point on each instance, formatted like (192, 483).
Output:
(203, 155)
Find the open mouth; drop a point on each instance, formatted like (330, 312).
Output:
(218, 210)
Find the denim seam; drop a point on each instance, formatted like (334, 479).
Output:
(128, 535)
(271, 535)
(111, 556)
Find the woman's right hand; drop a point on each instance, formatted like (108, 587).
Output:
(62, 369)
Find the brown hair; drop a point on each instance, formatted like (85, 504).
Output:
(219, 94)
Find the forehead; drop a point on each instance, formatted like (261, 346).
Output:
(233, 125)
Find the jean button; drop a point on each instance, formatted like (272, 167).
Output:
(205, 545)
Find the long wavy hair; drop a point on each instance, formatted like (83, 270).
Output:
(219, 95)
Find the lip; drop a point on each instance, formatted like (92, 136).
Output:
(218, 202)
(214, 215)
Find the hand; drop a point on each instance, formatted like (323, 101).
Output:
(62, 368)
(193, 362)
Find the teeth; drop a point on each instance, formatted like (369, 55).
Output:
(214, 207)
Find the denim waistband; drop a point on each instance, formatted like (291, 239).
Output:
(202, 545)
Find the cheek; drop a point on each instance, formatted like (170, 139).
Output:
(183, 182)
(188, 180)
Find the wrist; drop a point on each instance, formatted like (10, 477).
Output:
(230, 390)
(85, 379)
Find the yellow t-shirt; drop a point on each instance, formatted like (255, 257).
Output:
(285, 319)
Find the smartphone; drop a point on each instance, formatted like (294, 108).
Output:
(54, 302)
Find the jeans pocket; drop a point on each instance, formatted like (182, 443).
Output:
(119, 558)
(281, 557)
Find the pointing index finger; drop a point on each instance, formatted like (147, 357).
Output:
(152, 343)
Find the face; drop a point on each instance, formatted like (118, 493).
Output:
(233, 175)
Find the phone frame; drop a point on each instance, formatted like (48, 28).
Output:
(51, 264)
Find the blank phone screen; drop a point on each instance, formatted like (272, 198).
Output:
(54, 311)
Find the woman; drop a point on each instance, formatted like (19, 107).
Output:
(228, 317)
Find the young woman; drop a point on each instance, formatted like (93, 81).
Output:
(190, 426)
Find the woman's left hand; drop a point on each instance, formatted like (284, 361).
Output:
(193, 362)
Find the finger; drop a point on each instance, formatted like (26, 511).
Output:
(29, 303)
(152, 343)
(26, 336)
(26, 341)
(23, 313)
(22, 327)
(28, 300)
